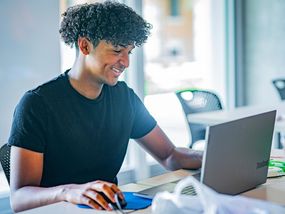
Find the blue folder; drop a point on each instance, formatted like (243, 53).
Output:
(133, 202)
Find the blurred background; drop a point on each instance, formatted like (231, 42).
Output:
(234, 48)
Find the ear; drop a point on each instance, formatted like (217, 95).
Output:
(84, 45)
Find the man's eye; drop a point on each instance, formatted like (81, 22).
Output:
(117, 51)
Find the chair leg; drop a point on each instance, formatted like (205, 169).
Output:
(281, 141)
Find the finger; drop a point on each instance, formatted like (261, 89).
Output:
(121, 195)
(98, 199)
(89, 202)
(105, 188)
(118, 191)
(114, 187)
(109, 192)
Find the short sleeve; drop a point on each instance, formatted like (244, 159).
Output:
(143, 121)
(29, 123)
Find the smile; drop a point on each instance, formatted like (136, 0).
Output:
(118, 71)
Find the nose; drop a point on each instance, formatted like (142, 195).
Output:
(125, 61)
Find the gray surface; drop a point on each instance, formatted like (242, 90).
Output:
(29, 54)
(264, 48)
(5, 206)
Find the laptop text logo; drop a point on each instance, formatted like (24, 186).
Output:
(262, 164)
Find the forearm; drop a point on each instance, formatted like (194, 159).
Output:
(183, 158)
(31, 197)
(162, 149)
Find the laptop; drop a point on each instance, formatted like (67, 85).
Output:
(236, 156)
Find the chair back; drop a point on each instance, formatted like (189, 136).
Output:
(279, 84)
(195, 101)
(5, 160)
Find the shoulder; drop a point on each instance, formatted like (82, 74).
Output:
(50, 87)
(36, 97)
(30, 102)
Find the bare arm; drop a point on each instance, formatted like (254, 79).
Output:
(26, 193)
(161, 148)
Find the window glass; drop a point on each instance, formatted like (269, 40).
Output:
(181, 54)
(171, 60)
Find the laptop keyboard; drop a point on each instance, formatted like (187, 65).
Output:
(189, 190)
(169, 187)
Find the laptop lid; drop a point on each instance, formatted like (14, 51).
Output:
(237, 153)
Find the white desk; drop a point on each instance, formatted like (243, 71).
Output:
(220, 116)
(273, 190)
(215, 117)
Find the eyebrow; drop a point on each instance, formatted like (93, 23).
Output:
(125, 46)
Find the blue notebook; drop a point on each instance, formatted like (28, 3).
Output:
(133, 202)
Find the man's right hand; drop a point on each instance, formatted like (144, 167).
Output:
(91, 194)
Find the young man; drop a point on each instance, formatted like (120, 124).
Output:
(70, 135)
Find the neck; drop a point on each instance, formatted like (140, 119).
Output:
(81, 80)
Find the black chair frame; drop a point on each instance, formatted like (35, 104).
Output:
(5, 160)
(199, 101)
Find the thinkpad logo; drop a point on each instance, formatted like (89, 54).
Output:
(262, 164)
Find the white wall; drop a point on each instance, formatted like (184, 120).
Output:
(264, 49)
(29, 51)
(29, 55)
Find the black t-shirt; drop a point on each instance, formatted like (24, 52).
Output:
(82, 139)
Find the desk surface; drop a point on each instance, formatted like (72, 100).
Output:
(211, 118)
(273, 190)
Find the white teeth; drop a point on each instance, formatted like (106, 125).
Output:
(117, 70)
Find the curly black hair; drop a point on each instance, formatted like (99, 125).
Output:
(110, 21)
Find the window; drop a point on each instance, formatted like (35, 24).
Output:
(180, 54)
(185, 50)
